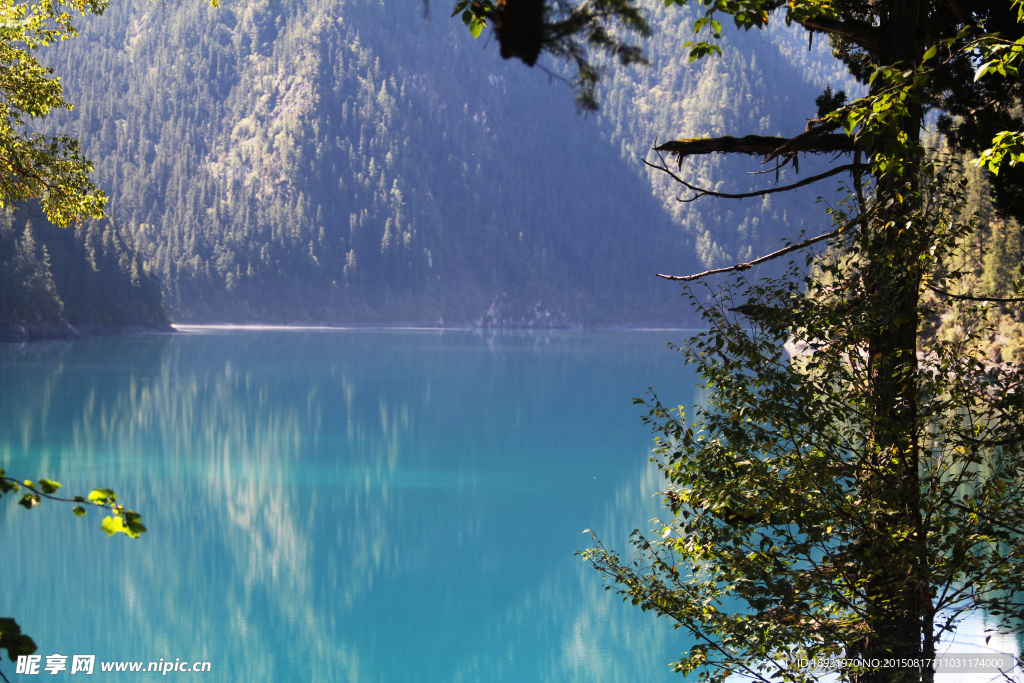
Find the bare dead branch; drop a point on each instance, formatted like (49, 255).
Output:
(703, 192)
(814, 140)
(750, 264)
(965, 297)
(811, 142)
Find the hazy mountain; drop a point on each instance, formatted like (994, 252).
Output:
(304, 160)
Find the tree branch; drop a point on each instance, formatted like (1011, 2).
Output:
(964, 297)
(745, 266)
(864, 35)
(113, 507)
(812, 142)
(963, 508)
(702, 192)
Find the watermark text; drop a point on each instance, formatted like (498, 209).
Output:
(86, 664)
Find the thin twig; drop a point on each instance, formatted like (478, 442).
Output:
(758, 261)
(774, 170)
(78, 499)
(1014, 529)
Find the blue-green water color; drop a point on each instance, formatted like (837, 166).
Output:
(339, 505)
(344, 505)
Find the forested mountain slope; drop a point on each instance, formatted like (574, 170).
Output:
(313, 161)
(58, 283)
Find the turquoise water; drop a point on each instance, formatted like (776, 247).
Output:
(328, 505)
(338, 505)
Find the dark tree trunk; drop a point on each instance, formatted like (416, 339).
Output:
(899, 600)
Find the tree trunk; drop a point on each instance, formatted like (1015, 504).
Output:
(898, 589)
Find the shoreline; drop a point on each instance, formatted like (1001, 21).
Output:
(22, 333)
(63, 331)
(425, 327)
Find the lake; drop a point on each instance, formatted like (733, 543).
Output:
(341, 505)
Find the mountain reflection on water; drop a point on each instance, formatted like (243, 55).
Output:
(339, 505)
(343, 505)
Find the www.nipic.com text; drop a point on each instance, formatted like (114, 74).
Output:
(86, 664)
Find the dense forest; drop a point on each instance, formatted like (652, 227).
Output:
(60, 282)
(296, 162)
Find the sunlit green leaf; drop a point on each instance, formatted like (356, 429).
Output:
(102, 496)
(113, 525)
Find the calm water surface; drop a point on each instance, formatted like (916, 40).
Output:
(369, 506)
(339, 505)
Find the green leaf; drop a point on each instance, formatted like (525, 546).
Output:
(79, 511)
(113, 525)
(130, 525)
(102, 496)
(13, 640)
(931, 52)
(136, 529)
(48, 486)
(133, 521)
(476, 27)
(29, 501)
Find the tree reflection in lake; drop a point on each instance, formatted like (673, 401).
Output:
(339, 505)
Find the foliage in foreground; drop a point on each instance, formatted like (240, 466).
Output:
(120, 520)
(48, 168)
(856, 500)
(782, 546)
